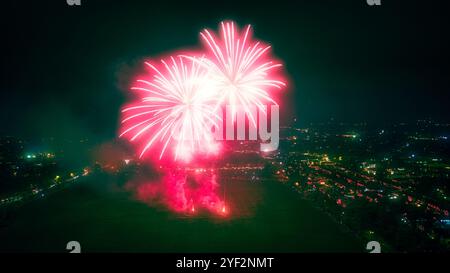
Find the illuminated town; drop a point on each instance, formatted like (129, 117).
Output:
(387, 184)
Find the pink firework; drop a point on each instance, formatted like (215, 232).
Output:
(180, 98)
(239, 68)
(175, 110)
(179, 101)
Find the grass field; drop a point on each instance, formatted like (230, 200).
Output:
(105, 220)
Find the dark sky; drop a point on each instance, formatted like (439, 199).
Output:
(64, 68)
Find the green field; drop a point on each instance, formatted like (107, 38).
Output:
(106, 220)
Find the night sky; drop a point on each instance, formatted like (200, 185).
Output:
(65, 69)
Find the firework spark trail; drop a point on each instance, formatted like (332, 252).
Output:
(240, 69)
(174, 109)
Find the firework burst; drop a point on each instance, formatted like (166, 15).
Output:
(181, 98)
(239, 68)
(175, 110)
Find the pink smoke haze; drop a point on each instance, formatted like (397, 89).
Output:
(188, 192)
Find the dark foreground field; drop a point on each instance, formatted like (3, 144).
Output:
(105, 220)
